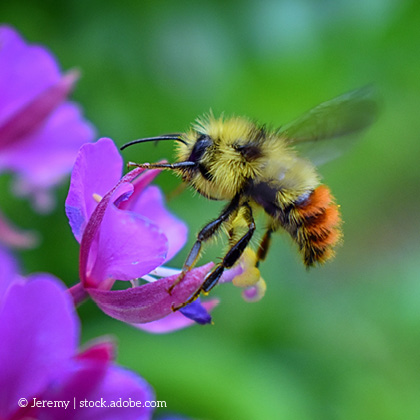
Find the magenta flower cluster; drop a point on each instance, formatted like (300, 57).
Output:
(40, 359)
(126, 235)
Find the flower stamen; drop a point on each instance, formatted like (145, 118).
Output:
(97, 197)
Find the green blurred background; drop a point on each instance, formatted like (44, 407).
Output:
(337, 342)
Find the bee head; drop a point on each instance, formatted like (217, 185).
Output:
(227, 153)
(207, 152)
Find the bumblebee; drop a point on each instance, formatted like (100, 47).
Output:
(252, 167)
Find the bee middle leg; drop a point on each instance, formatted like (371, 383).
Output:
(229, 260)
(233, 255)
(205, 234)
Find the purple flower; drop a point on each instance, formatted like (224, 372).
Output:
(39, 360)
(125, 233)
(40, 132)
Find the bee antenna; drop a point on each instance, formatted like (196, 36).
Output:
(175, 137)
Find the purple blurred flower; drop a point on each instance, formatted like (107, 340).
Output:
(40, 132)
(39, 334)
(125, 233)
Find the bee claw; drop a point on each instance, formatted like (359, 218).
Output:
(177, 281)
(175, 308)
(187, 302)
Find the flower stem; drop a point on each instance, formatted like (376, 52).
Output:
(78, 293)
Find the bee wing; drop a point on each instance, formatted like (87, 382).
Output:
(326, 131)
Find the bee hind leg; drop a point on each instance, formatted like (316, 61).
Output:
(264, 245)
(233, 255)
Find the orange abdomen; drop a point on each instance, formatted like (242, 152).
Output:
(317, 226)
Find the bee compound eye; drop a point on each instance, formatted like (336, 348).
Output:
(249, 151)
(200, 146)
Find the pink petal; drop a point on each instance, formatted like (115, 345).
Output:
(128, 247)
(94, 224)
(102, 350)
(87, 382)
(140, 184)
(78, 382)
(8, 272)
(45, 156)
(97, 169)
(34, 113)
(25, 72)
(39, 332)
(151, 205)
(151, 301)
